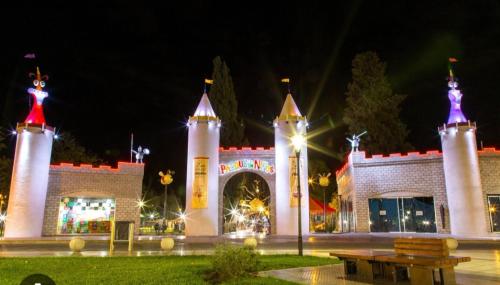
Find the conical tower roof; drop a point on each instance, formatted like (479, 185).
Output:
(290, 109)
(204, 108)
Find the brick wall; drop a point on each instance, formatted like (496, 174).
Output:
(123, 183)
(411, 175)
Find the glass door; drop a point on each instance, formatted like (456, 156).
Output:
(417, 214)
(384, 215)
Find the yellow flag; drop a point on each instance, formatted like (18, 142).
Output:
(285, 80)
(209, 81)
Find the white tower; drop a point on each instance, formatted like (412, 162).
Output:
(461, 170)
(289, 123)
(202, 182)
(30, 173)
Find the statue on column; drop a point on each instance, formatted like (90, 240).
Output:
(139, 154)
(355, 141)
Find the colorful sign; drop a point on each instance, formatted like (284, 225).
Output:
(199, 200)
(292, 164)
(254, 164)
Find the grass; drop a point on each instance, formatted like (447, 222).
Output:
(139, 270)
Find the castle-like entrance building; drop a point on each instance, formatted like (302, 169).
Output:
(245, 190)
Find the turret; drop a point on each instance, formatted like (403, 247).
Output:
(202, 179)
(461, 169)
(30, 172)
(289, 123)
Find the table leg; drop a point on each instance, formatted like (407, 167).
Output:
(447, 276)
(364, 270)
(421, 276)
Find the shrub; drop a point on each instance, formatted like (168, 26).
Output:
(229, 262)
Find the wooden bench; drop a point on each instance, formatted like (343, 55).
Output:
(426, 259)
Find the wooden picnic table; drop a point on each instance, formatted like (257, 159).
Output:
(420, 256)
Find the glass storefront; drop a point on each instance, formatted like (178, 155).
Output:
(494, 210)
(413, 214)
(85, 215)
(347, 215)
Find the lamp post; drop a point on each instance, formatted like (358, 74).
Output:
(324, 181)
(298, 141)
(166, 179)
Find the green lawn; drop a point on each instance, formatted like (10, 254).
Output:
(138, 270)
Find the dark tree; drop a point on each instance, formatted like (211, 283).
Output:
(223, 99)
(68, 149)
(373, 106)
(5, 165)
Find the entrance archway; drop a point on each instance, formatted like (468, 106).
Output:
(246, 205)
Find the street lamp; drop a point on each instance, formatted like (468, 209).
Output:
(166, 179)
(324, 181)
(298, 141)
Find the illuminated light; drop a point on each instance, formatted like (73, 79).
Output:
(493, 209)
(182, 216)
(3, 217)
(310, 180)
(255, 164)
(56, 136)
(275, 124)
(426, 223)
(234, 212)
(151, 216)
(298, 141)
(13, 132)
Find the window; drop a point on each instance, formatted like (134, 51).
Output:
(85, 215)
(494, 210)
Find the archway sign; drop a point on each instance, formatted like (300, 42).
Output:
(248, 164)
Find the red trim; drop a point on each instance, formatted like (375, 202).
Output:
(489, 150)
(245, 148)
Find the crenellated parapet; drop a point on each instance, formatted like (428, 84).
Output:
(123, 168)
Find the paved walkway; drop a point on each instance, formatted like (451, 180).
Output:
(334, 274)
(484, 269)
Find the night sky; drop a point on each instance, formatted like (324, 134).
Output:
(120, 68)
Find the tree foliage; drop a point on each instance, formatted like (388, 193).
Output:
(373, 106)
(5, 165)
(223, 99)
(68, 149)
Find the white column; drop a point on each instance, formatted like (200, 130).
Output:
(28, 189)
(463, 180)
(287, 216)
(203, 141)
